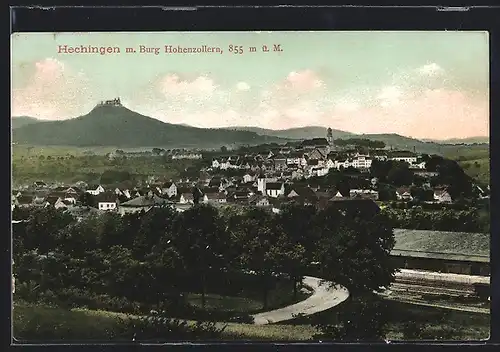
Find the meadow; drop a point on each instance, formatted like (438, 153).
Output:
(36, 322)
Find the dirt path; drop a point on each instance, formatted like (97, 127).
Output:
(324, 297)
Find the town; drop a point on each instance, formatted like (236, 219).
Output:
(265, 178)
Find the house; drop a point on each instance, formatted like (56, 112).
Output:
(362, 162)
(406, 156)
(238, 196)
(169, 189)
(262, 182)
(258, 200)
(303, 195)
(296, 158)
(14, 202)
(418, 165)
(63, 204)
(247, 178)
(318, 154)
(24, 200)
(319, 171)
(215, 198)
(314, 143)
(95, 190)
(275, 189)
(108, 201)
(186, 198)
(142, 203)
(279, 162)
(442, 196)
(440, 251)
(39, 184)
(364, 193)
(187, 156)
(404, 193)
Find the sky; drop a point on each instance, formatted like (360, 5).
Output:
(419, 84)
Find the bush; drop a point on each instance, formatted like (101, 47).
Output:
(158, 327)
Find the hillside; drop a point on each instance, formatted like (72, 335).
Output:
(120, 127)
(299, 133)
(469, 140)
(19, 121)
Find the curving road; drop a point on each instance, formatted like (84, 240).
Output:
(324, 297)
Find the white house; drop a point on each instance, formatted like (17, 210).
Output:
(362, 162)
(442, 196)
(186, 198)
(409, 157)
(108, 202)
(263, 181)
(95, 190)
(403, 193)
(169, 189)
(275, 189)
(247, 178)
(418, 165)
(318, 171)
(365, 193)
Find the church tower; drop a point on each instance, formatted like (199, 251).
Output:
(329, 138)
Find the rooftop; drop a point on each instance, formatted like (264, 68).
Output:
(442, 245)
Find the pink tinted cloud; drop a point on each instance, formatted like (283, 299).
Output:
(52, 91)
(436, 114)
(303, 81)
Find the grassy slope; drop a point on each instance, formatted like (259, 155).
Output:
(475, 161)
(84, 324)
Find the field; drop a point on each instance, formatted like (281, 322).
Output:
(70, 164)
(474, 160)
(40, 322)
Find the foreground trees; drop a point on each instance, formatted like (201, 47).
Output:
(152, 259)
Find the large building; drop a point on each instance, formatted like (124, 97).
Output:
(445, 252)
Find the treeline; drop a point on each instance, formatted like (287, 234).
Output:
(151, 260)
(360, 142)
(469, 220)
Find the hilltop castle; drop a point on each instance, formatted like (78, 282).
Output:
(112, 102)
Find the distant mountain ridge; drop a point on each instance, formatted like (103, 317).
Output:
(19, 121)
(109, 125)
(299, 133)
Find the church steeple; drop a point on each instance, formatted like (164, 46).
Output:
(329, 137)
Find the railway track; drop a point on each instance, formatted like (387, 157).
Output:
(415, 288)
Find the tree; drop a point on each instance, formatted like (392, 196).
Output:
(400, 174)
(380, 169)
(259, 241)
(42, 227)
(196, 195)
(200, 237)
(223, 149)
(364, 319)
(297, 223)
(87, 199)
(355, 250)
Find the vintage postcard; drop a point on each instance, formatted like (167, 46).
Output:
(266, 186)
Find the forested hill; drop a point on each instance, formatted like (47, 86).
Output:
(121, 127)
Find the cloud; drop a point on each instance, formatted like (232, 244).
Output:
(172, 84)
(433, 113)
(50, 90)
(389, 96)
(303, 81)
(242, 86)
(430, 70)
